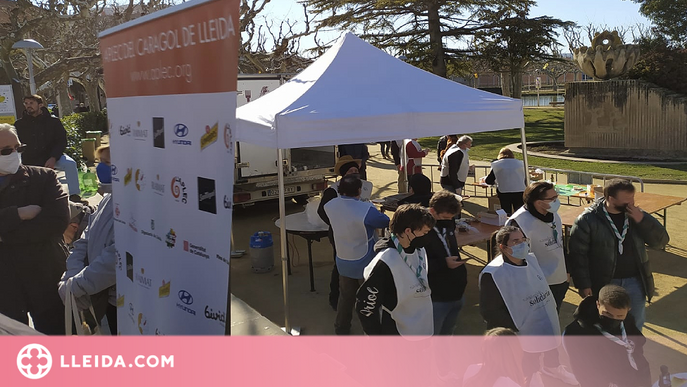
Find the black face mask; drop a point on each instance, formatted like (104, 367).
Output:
(610, 325)
(449, 224)
(415, 244)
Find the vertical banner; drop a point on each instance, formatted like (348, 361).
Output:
(7, 109)
(171, 88)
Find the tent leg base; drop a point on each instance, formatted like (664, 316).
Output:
(295, 331)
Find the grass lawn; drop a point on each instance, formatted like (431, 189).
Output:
(547, 125)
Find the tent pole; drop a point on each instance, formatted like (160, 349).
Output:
(282, 238)
(523, 142)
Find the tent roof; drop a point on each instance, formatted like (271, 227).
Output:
(356, 93)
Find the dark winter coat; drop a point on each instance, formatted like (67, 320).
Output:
(44, 136)
(594, 248)
(34, 247)
(596, 360)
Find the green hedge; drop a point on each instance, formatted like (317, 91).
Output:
(77, 125)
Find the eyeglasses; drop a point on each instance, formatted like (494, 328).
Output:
(8, 151)
(550, 199)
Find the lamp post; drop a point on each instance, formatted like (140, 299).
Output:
(29, 45)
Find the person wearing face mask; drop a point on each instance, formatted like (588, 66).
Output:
(447, 274)
(33, 216)
(345, 166)
(353, 224)
(603, 343)
(514, 293)
(455, 165)
(538, 219)
(395, 297)
(608, 246)
(104, 169)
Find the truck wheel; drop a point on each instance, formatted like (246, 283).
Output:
(301, 199)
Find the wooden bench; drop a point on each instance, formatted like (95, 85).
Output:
(556, 103)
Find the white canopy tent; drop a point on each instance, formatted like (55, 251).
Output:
(356, 93)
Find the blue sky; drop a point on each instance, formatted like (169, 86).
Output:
(583, 12)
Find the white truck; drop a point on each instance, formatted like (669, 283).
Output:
(306, 169)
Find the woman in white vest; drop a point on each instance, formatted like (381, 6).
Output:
(455, 165)
(514, 294)
(395, 297)
(508, 173)
(539, 221)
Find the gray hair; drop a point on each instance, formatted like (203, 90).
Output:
(8, 128)
(464, 139)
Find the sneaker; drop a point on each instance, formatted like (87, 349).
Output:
(560, 373)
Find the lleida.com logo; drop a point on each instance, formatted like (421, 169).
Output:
(34, 361)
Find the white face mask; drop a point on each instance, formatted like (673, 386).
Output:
(9, 165)
(554, 206)
(521, 250)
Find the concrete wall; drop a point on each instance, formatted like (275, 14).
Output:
(625, 118)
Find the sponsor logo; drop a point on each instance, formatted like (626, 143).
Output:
(210, 136)
(158, 333)
(196, 250)
(540, 297)
(34, 361)
(165, 289)
(221, 258)
(186, 299)
(130, 266)
(179, 190)
(139, 180)
(115, 178)
(125, 130)
(207, 198)
(151, 234)
(140, 134)
(128, 176)
(117, 214)
(120, 265)
(228, 140)
(120, 300)
(132, 223)
(171, 238)
(158, 132)
(158, 187)
(212, 315)
(181, 131)
(143, 326)
(142, 280)
(227, 202)
(131, 312)
(152, 224)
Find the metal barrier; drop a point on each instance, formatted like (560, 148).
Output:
(589, 175)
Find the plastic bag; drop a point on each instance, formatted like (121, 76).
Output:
(88, 183)
(311, 212)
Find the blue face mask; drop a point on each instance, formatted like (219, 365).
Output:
(104, 172)
(521, 250)
(554, 206)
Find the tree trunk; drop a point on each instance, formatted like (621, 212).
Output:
(506, 84)
(516, 84)
(435, 40)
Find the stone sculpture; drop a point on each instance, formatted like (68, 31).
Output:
(607, 58)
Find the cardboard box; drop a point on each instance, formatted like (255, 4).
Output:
(497, 219)
(494, 204)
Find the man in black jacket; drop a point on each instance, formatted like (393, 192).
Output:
(603, 343)
(33, 216)
(45, 140)
(446, 271)
(607, 246)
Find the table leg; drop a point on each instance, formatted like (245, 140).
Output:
(312, 275)
(490, 251)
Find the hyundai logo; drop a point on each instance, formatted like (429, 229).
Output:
(114, 169)
(185, 297)
(181, 130)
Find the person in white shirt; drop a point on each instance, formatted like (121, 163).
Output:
(538, 219)
(455, 165)
(514, 294)
(508, 173)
